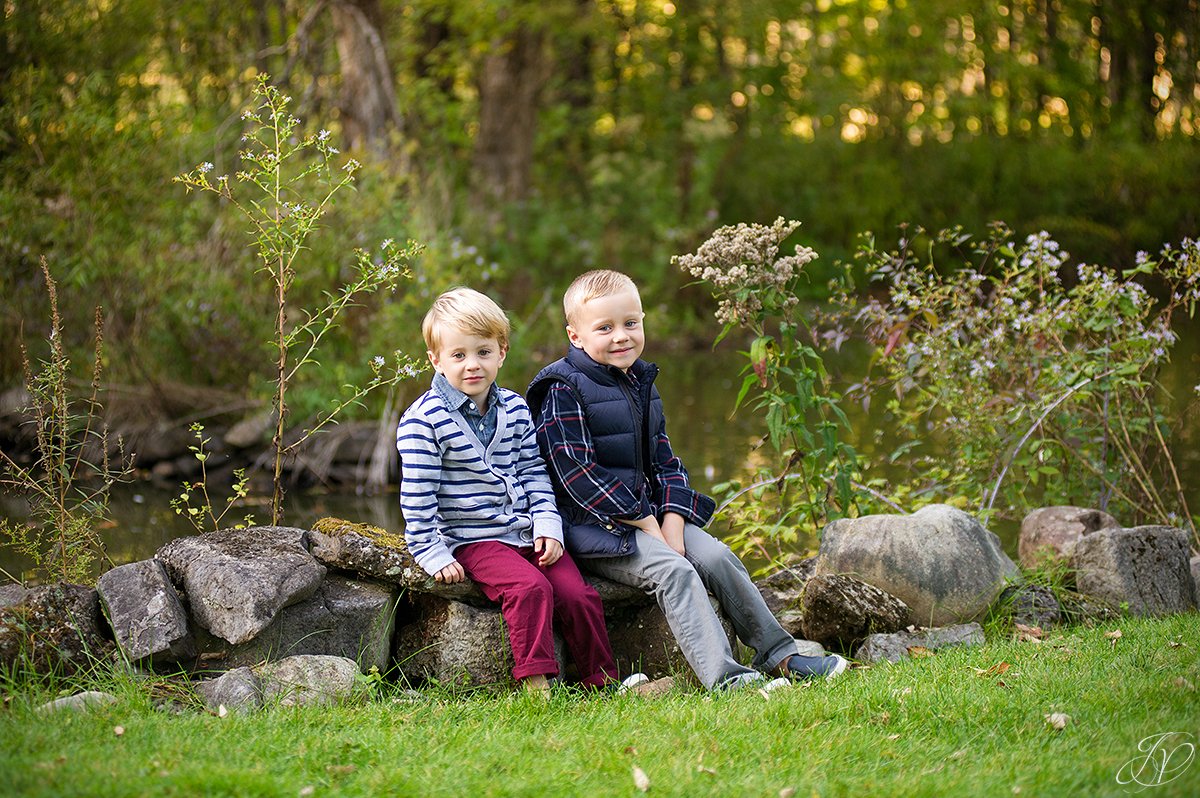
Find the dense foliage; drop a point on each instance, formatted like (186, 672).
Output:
(1014, 377)
(523, 141)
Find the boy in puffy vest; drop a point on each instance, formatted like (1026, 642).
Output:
(629, 513)
(477, 501)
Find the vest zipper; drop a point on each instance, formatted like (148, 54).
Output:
(640, 427)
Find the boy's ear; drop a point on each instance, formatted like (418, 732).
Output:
(573, 337)
(433, 358)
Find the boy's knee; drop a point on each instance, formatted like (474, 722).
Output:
(576, 595)
(675, 575)
(536, 587)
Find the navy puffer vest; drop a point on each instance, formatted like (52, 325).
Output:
(621, 419)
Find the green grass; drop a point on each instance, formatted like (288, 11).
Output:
(938, 725)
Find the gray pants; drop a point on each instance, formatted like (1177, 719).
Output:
(681, 587)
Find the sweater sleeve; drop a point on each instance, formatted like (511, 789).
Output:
(421, 475)
(531, 470)
(571, 457)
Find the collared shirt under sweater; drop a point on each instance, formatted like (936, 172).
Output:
(455, 489)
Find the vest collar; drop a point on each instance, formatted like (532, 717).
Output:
(609, 375)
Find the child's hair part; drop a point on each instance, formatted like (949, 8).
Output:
(467, 310)
(591, 285)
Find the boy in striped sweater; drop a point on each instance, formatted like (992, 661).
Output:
(477, 501)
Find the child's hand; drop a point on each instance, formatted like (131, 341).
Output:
(650, 526)
(451, 574)
(672, 530)
(549, 549)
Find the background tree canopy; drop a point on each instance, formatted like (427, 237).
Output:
(523, 142)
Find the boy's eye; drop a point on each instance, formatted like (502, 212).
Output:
(631, 323)
(485, 352)
(603, 328)
(458, 356)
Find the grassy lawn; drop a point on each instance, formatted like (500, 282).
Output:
(960, 722)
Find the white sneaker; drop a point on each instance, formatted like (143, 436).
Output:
(838, 669)
(630, 682)
(753, 679)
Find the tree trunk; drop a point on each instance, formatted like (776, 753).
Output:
(510, 84)
(368, 101)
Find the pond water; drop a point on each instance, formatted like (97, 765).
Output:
(699, 389)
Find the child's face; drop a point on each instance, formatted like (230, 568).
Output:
(469, 362)
(609, 328)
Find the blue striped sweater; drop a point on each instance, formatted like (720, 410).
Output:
(453, 491)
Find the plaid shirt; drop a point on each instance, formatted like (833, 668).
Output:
(566, 442)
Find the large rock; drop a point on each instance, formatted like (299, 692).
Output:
(781, 591)
(939, 561)
(453, 644)
(1196, 576)
(898, 645)
(1145, 569)
(52, 628)
(839, 610)
(145, 612)
(1049, 534)
(237, 580)
(1031, 605)
(77, 703)
(237, 690)
(346, 618)
(307, 679)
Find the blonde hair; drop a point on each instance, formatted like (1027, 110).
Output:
(592, 285)
(467, 310)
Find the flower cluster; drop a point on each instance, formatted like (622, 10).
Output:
(742, 264)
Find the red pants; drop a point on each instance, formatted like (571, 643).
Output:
(531, 599)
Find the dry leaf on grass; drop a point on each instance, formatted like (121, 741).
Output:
(640, 779)
(787, 792)
(118, 730)
(1114, 636)
(999, 669)
(919, 651)
(1029, 634)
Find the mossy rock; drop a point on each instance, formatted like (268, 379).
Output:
(375, 552)
(54, 628)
